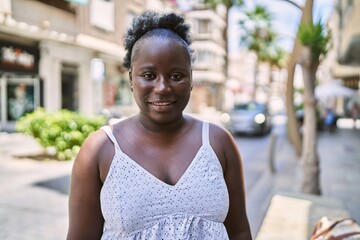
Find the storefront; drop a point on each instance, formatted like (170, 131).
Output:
(19, 82)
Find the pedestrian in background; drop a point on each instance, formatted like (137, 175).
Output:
(160, 174)
(330, 120)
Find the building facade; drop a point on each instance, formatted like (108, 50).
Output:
(209, 73)
(65, 55)
(345, 56)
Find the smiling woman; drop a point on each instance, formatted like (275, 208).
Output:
(161, 84)
(159, 174)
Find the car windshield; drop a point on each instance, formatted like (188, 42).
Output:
(248, 106)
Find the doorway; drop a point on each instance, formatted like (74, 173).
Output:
(69, 87)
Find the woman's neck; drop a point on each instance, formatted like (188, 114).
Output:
(155, 128)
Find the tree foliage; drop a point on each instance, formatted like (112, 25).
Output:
(227, 3)
(259, 36)
(316, 38)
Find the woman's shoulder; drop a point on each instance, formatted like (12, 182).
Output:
(94, 147)
(218, 132)
(97, 139)
(222, 142)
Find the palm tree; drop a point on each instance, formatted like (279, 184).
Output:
(315, 41)
(277, 59)
(258, 36)
(228, 4)
(292, 126)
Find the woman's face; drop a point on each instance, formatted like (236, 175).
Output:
(161, 79)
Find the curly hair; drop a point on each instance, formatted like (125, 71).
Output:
(151, 20)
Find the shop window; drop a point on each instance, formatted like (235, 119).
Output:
(123, 95)
(117, 90)
(20, 97)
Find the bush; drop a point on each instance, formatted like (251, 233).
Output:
(63, 131)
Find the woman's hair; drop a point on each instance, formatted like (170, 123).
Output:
(150, 21)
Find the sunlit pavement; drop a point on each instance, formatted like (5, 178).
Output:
(339, 153)
(33, 202)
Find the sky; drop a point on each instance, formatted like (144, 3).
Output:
(285, 19)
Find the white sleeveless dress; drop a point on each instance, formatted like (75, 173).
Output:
(137, 205)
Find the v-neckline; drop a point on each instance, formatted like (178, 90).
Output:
(156, 179)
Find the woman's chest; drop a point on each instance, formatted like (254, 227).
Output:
(135, 195)
(167, 162)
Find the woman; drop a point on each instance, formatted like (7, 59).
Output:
(159, 174)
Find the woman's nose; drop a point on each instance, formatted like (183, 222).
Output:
(161, 85)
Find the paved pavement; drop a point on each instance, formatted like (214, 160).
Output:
(339, 154)
(33, 202)
(34, 193)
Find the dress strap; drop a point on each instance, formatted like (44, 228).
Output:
(107, 129)
(205, 133)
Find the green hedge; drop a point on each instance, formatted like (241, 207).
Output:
(63, 131)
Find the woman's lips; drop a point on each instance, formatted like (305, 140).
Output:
(162, 106)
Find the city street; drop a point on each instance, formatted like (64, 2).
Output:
(78, 55)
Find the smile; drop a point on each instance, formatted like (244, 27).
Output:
(162, 106)
(161, 103)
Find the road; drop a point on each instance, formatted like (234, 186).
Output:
(255, 154)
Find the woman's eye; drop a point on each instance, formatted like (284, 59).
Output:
(148, 76)
(177, 76)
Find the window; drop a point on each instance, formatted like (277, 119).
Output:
(204, 56)
(204, 26)
(117, 89)
(21, 96)
(102, 14)
(61, 4)
(124, 95)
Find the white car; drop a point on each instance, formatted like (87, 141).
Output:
(248, 118)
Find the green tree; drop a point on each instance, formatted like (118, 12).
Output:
(315, 41)
(259, 37)
(277, 58)
(292, 124)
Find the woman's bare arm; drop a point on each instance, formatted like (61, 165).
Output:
(236, 222)
(85, 217)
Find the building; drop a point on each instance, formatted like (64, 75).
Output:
(241, 73)
(209, 73)
(342, 62)
(65, 54)
(346, 40)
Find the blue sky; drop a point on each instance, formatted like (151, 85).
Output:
(285, 19)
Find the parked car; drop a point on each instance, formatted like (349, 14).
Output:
(249, 118)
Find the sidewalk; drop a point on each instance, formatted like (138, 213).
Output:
(33, 202)
(34, 194)
(339, 155)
